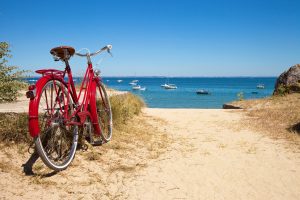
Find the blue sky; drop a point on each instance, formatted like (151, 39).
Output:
(158, 37)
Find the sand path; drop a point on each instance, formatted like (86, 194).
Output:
(211, 160)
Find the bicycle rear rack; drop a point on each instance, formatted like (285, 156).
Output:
(45, 72)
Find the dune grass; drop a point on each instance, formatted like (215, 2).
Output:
(279, 116)
(14, 126)
(124, 107)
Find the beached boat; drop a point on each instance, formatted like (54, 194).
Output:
(260, 86)
(170, 86)
(201, 91)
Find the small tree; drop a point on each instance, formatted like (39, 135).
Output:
(10, 76)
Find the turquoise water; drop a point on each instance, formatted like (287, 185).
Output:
(222, 90)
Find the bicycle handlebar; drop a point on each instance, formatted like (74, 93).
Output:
(106, 48)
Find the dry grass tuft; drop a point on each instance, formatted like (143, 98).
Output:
(14, 128)
(124, 107)
(279, 116)
(92, 155)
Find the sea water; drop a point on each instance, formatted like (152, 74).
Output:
(222, 90)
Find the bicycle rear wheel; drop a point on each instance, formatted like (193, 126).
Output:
(104, 113)
(57, 141)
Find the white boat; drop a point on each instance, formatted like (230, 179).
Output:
(260, 86)
(119, 81)
(138, 87)
(134, 82)
(170, 86)
(164, 85)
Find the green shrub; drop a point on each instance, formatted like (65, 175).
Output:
(282, 90)
(10, 77)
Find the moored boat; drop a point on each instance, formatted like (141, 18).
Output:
(260, 86)
(201, 91)
(138, 87)
(164, 85)
(134, 82)
(170, 86)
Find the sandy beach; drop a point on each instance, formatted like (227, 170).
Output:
(212, 160)
(209, 157)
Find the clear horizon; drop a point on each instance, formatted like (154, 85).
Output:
(219, 38)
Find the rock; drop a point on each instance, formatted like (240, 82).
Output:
(288, 81)
(230, 106)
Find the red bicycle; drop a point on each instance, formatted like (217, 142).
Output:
(57, 114)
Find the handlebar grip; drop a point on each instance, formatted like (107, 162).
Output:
(107, 47)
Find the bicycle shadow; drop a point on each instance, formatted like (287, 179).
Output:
(27, 167)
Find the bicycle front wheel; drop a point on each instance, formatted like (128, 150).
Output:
(57, 141)
(103, 112)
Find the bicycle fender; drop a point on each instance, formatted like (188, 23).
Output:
(33, 124)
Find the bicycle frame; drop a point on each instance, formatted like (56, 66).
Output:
(85, 104)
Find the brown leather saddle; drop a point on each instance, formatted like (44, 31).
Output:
(63, 52)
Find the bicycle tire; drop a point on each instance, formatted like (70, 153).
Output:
(57, 142)
(104, 113)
